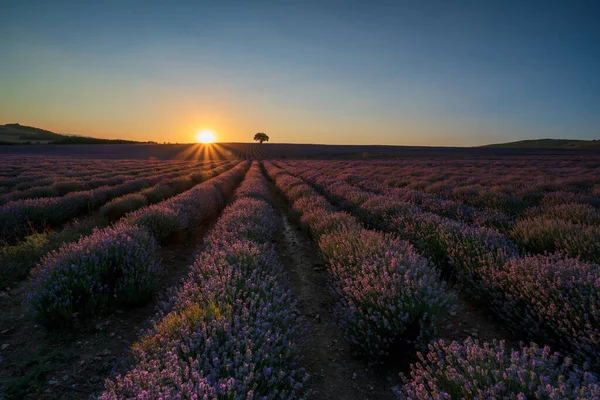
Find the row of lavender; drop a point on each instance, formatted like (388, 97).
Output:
(229, 331)
(167, 188)
(426, 201)
(13, 166)
(556, 204)
(473, 370)
(503, 174)
(508, 185)
(548, 298)
(570, 229)
(449, 370)
(21, 217)
(60, 170)
(118, 266)
(382, 286)
(53, 187)
(16, 260)
(40, 171)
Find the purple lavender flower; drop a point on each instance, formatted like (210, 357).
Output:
(489, 371)
(115, 266)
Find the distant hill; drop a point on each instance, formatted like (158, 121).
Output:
(12, 134)
(18, 134)
(548, 144)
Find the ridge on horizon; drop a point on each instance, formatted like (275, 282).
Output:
(15, 134)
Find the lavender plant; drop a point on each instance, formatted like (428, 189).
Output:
(542, 234)
(488, 371)
(117, 208)
(113, 267)
(161, 221)
(550, 299)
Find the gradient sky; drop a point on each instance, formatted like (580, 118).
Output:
(355, 72)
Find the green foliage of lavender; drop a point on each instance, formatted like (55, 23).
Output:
(117, 208)
(159, 220)
(573, 212)
(542, 234)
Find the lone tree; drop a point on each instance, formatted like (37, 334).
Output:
(261, 137)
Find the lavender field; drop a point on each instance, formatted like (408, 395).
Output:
(258, 275)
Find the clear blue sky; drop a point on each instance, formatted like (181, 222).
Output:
(376, 72)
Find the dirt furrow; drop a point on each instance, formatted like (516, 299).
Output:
(335, 372)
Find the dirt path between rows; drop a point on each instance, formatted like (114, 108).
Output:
(335, 372)
(477, 321)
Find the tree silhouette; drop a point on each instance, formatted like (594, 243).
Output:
(261, 137)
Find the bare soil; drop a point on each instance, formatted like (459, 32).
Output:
(335, 371)
(476, 321)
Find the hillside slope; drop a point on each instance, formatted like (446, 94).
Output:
(547, 144)
(22, 134)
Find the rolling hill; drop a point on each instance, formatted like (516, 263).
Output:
(547, 144)
(12, 134)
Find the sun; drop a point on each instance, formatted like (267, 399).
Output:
(205, 137)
